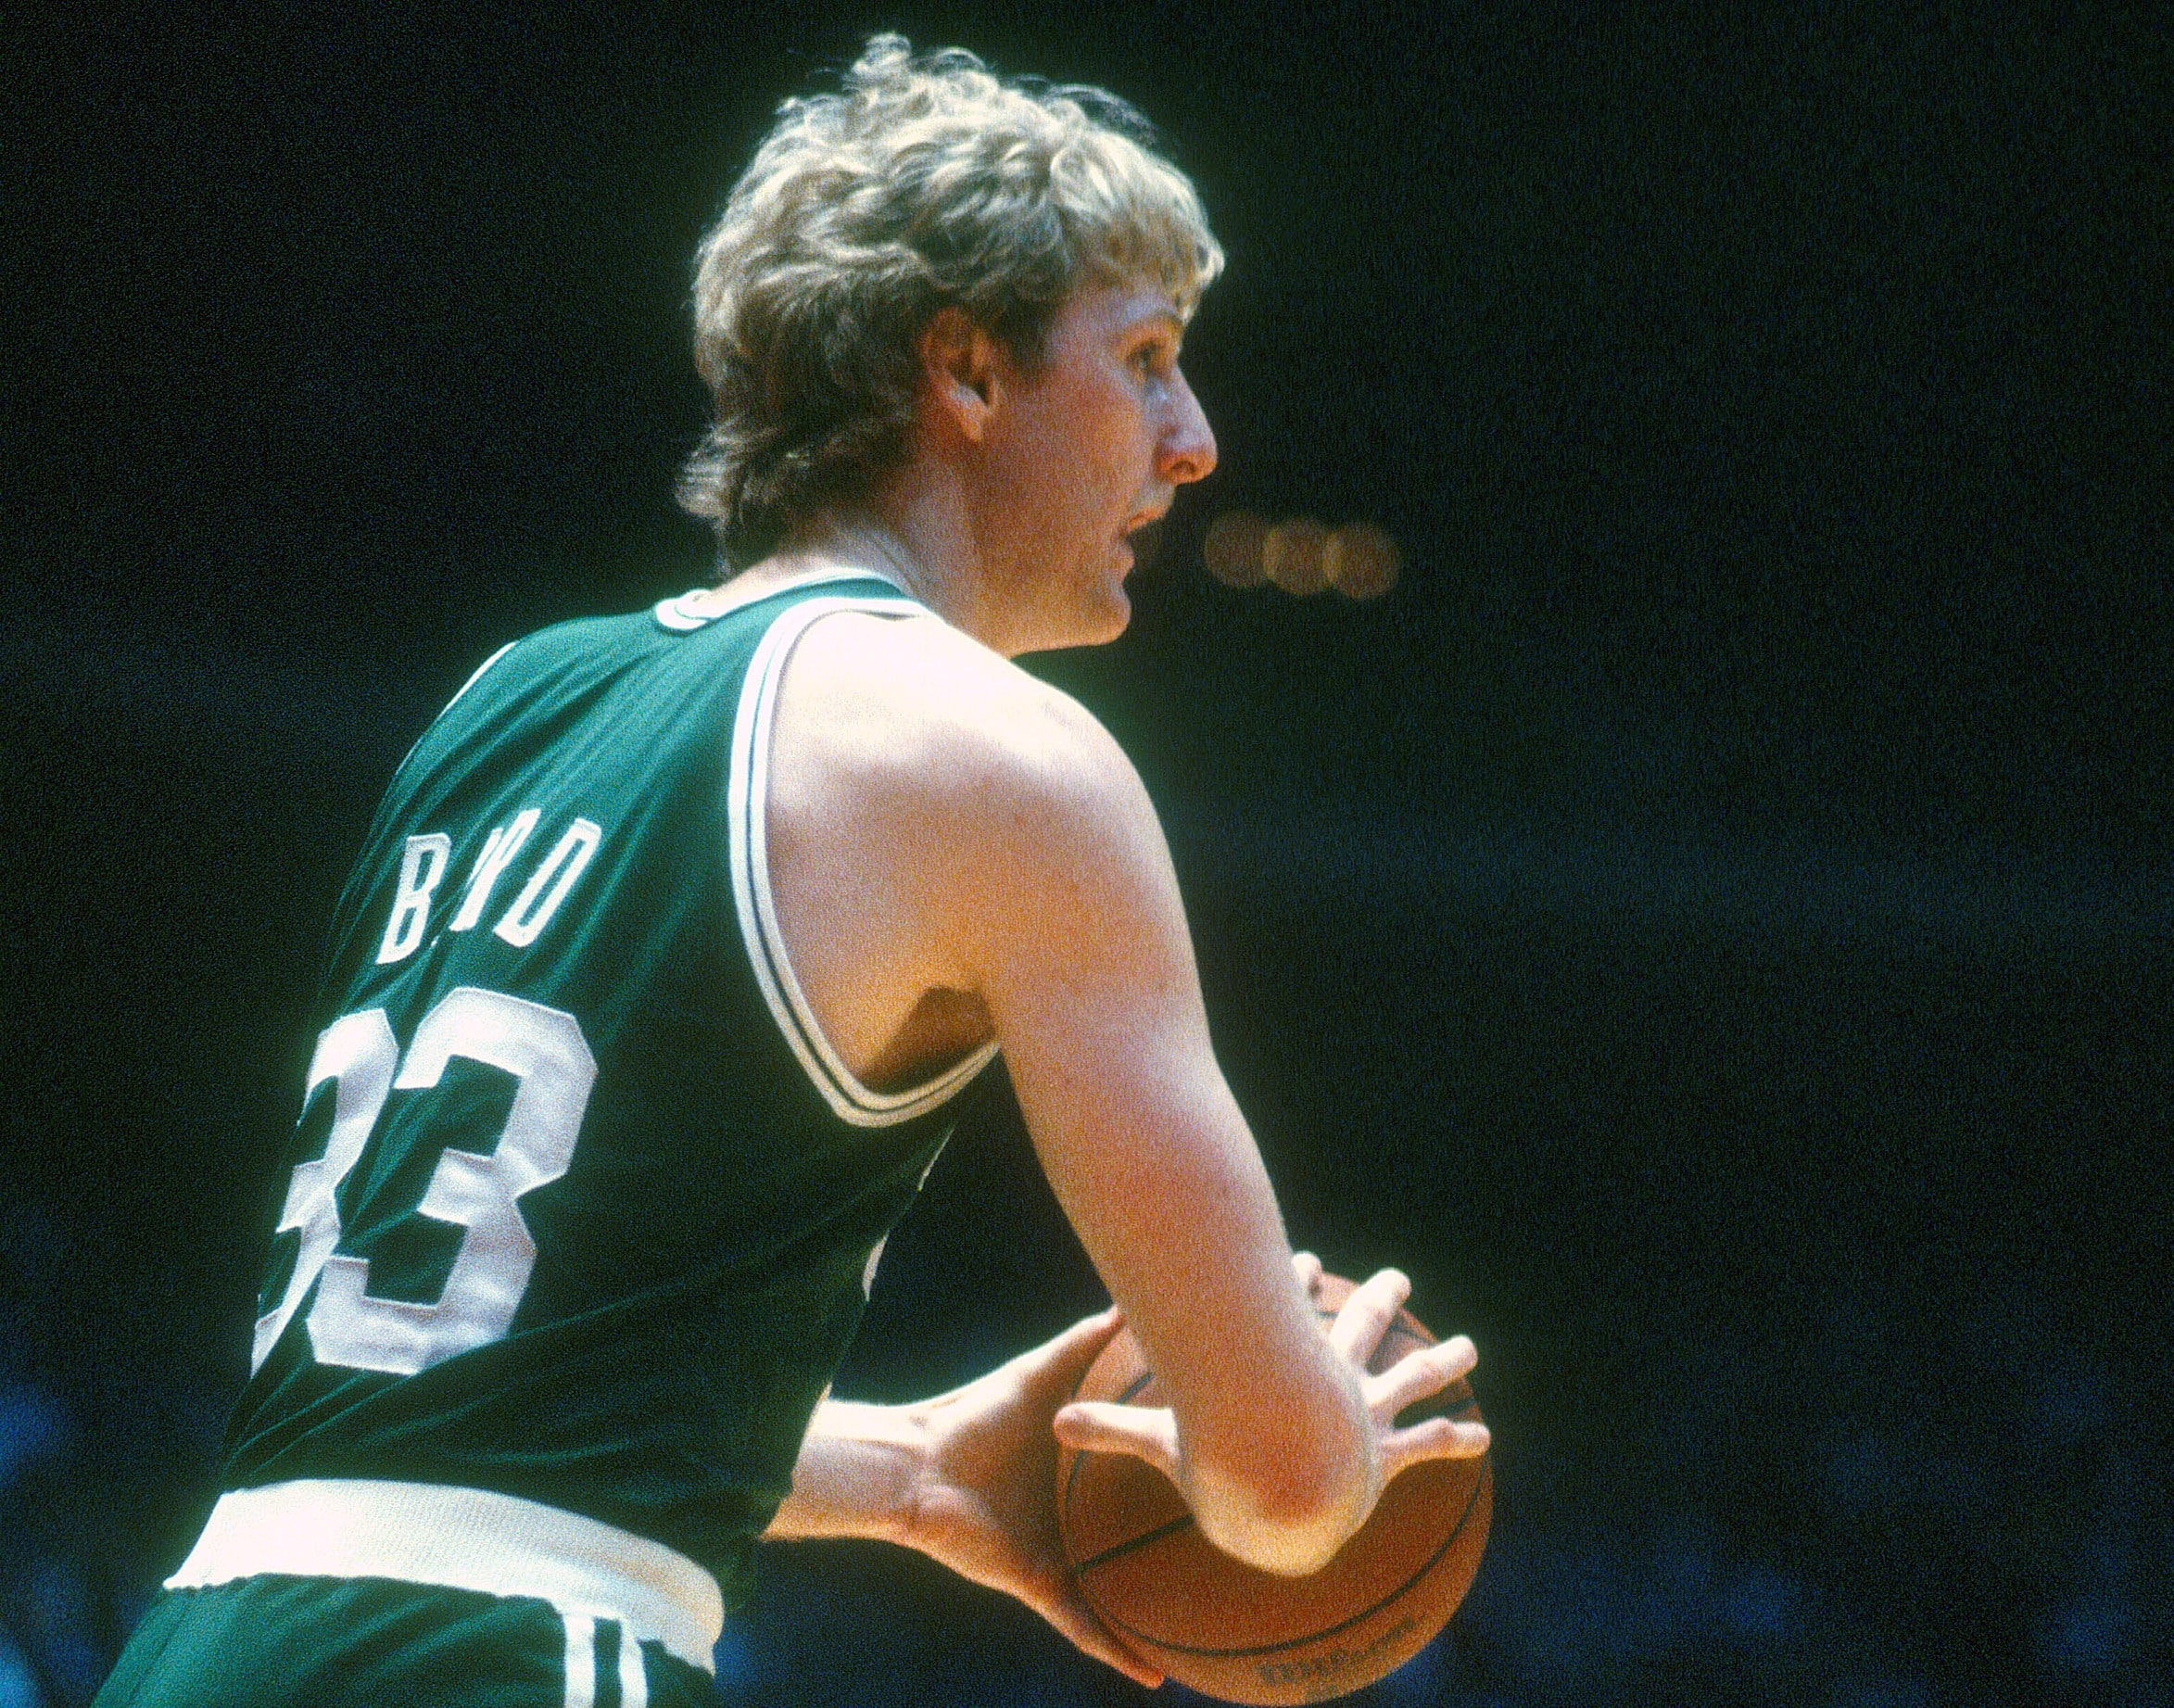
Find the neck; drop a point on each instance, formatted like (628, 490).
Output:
(859, 540)
(920, 544)
(919, 529)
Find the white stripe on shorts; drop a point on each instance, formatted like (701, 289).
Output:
(581, 1665)
(581, 1661)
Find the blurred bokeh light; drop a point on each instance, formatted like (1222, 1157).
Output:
(1301, 556)
(1231, 549)
(1361, 561)
(1292, 555)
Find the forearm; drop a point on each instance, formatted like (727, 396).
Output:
(1069, 925)
(1276, 1447)
(858, 1469)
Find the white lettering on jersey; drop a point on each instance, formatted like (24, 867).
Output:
(550, 1060)
(360, 1054)
(423, 866)
(499, 849)
(533, 910)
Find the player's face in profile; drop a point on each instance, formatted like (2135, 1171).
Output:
(1096, 442)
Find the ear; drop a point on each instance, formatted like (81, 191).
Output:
(961, 376)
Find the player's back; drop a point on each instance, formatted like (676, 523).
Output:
(581, 1211)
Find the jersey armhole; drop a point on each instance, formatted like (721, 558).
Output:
(747, 798)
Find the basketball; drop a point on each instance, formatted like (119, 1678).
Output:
(1229, 1631)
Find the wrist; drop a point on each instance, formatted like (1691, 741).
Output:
(859, 1474)
(914, 1439)
(894, 1442)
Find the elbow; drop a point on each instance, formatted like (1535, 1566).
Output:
(1289, 1510)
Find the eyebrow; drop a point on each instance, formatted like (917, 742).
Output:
(1159, 315)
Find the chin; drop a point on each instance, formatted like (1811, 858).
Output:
(1109, 618)
(1087, 625)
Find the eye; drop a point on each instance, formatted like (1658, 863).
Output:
(1153, 357)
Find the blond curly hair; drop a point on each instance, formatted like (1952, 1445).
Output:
(926, 183)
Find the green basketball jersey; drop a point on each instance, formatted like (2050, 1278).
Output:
(582, 1204)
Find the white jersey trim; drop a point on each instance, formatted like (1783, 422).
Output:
(747, 811)
(461, 1538)
(474, 674)
(698, 607)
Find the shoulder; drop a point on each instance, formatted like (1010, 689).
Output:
(917, 777)
(963, 792)
(918, 711)
(947, 812)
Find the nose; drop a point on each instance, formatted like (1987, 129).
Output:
(1187, 451)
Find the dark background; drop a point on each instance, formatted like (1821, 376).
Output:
(1714, 923)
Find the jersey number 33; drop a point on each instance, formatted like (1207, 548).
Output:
(550, 1062)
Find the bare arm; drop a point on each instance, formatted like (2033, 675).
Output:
(1077, 937)
(858, 1467)
(948, 824)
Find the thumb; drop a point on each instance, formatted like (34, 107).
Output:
(1144, 1432)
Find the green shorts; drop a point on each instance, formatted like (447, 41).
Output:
(274, 1641)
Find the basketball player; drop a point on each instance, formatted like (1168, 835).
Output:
(674, 939)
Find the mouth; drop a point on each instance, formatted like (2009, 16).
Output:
(1142, 540)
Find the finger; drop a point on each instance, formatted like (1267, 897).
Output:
(1308, 1270)
(1145, 1431)
(1367, 1314)
(1438, 1437)
(1063, 1607)
(1418, 1374)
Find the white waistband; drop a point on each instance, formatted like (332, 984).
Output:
(461, 1538)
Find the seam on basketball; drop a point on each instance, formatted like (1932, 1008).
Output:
(1168, 1527)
